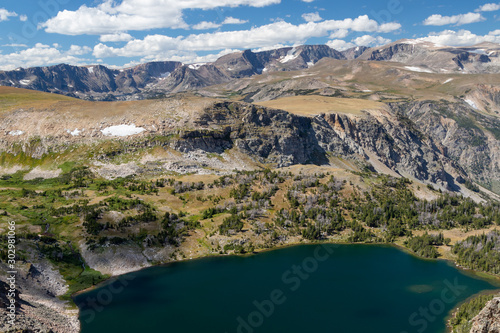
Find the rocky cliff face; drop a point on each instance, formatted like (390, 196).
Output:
(442, 143)
(388, 143)
(466, 137)
(488, 320)
(270, 136)
(354, 52)
(38, 283)
(437, 152)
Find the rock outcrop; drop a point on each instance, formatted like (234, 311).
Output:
(438, 151)
(283, 139)
(488, 320)
(38, 285)
(469, 138)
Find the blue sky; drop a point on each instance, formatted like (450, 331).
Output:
(127, 32)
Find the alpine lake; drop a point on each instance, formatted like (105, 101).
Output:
(307, 288)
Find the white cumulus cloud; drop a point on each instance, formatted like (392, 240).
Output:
(368, 40)
(42, 55)
(110, 17)
(460, 19)
(488, 7)
(340, 44)
(5, 14)
(205, 25)
(279, 32)
(78, 50)
(311, 17)
(339, 33)
(233, 20)
(119, 37)
(461, 38)
(365, 40)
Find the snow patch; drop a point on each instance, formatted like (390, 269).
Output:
(12, 82)
(449, 80)
(422, 43)
(122, 130)
(310, 63)
(91, 69)
(418, 69)
(76, 132)
(478, 51)
(413, 41)
(164, 75)
(24, 82)
(289, 56)
(471, 103)
(16, 133)
(197, 66)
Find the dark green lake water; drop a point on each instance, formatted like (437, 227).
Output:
(311, 288)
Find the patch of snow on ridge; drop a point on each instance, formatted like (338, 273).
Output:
(91, 69)
(471, 103)
(15, 133)
(478, 51)
(25, 82)
(449, 80)
(289, 56)
(197, 66)
(75, 132)
(122, 130)
(410, 41)
(415, 42)
(418, 69)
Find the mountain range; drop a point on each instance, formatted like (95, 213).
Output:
(155, 79)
